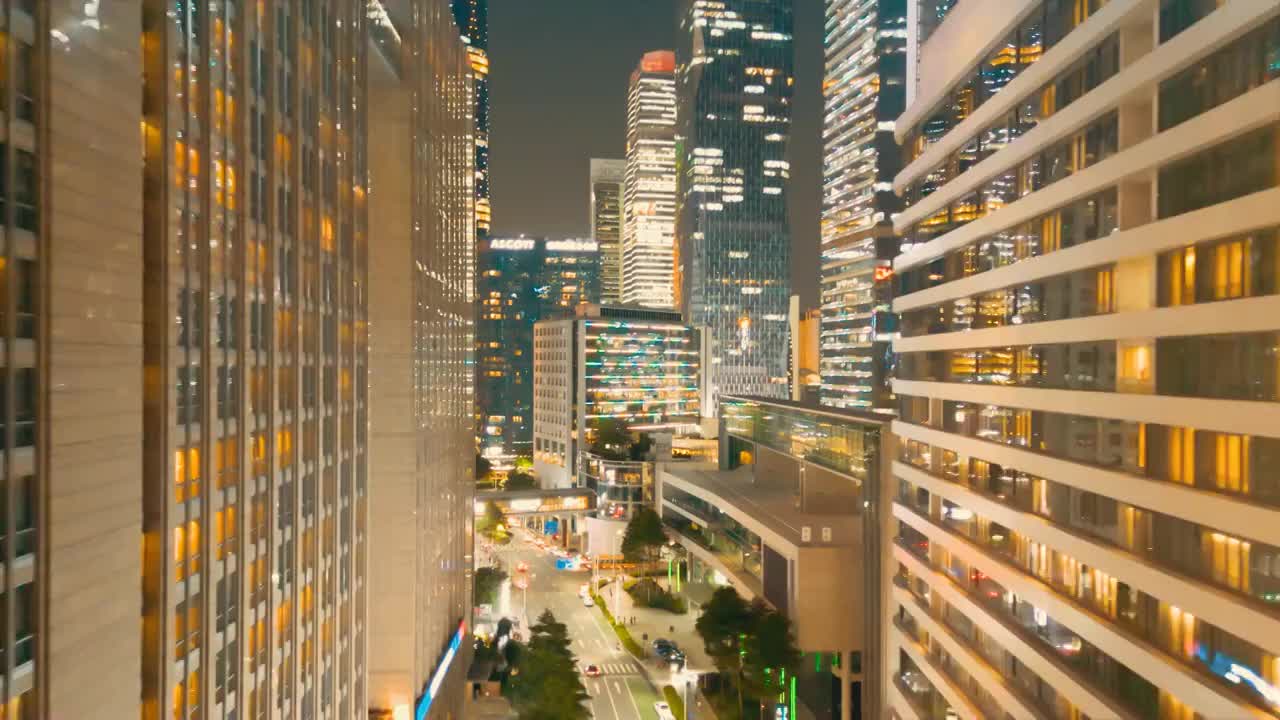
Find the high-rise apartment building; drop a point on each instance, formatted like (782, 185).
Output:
(735, 79)
(865, 90)
(1086, 505)
(649, 205)
(643, 368)
(254, 351)
(421, 375)
(519, 282)
(606, 184)
(472, 17)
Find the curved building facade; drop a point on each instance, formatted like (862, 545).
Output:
(1087, 503)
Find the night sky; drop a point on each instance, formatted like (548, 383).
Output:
(558, 89)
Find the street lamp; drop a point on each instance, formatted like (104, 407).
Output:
(618, 566)
(684, 679)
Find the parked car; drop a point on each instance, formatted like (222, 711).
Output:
(664, 711)
(664, 648)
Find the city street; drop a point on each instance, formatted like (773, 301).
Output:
(621, 692)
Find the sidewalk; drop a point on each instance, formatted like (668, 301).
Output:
(651, 624)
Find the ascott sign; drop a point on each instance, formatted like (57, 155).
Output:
(433, 687)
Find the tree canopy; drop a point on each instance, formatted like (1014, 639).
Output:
(493, 525)
(751, 642)
(488, 580)
(520, 480)
(643, 536)
(546, 685)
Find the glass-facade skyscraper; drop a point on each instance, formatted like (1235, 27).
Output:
(864, 91)
(649, 208)
(735, 81)
(472, 18)
(520, 281)
(607, 178)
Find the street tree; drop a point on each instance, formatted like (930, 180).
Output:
(493, 524)
(520, 480)
(723, 626)
(771, 655)
(488, 580)
(546, 685)
(644, 537)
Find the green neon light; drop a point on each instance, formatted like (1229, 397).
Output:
(817, 662)
(792, 704)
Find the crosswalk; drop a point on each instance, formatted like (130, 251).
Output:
(623, 668)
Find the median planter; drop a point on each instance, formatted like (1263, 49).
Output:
(621, 631)
(672, 696)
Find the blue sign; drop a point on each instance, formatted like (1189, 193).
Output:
(433, 687)
(551, 527)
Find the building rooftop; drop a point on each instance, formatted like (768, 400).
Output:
(736, 493)
(813, 407)
(596, 311)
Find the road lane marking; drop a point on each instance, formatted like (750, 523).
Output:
(634, 704)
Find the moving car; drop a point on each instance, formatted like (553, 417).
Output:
(522, 566)
(591, 671)
(587, 601)
(664, 711)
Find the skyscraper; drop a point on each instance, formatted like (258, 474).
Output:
(421, 374)
(649, 206)
(254, 347)
(1085, 497)
(508, 270)
(519, 282)
(71, 383)
(472, 17)
(606, 185)
(865, 90)
(735, 83)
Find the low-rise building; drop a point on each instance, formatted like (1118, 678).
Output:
(789, 514)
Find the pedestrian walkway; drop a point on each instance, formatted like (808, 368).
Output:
(649, 624)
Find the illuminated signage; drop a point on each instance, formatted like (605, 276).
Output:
(433, 687)
(883, 273)
(512, 244)
(573, 246)
(1231, 669)
(553, 504)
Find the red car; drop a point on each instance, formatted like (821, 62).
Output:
(592, 671)
(522, 567)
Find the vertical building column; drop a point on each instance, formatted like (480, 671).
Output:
(88, 467)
